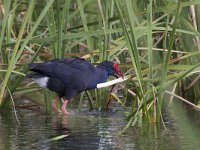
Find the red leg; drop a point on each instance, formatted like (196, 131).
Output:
(54, 105)
(64, 109)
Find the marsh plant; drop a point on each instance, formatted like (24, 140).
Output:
(156, 43)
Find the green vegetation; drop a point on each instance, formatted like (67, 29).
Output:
(156, 42)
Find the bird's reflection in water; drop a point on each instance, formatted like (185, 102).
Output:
(60, 123)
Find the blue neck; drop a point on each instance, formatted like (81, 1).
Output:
(100, 75)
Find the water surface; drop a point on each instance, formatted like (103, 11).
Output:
(98, 130)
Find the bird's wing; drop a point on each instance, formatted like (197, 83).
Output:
(77, 63)
(64, 68)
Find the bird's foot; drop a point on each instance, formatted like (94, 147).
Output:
(56, 109)
(54, 105)
(64, 110)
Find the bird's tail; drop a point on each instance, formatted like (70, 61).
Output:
(33, 65)
(35, 75)
(32, 75)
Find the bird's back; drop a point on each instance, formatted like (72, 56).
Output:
(73, 72)
(55, 66)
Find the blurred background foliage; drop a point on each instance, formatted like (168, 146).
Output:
(155, 42)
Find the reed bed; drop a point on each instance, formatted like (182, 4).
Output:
(155, 42)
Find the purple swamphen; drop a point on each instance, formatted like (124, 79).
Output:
(70, 76)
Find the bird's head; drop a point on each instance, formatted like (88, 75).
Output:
(112, 68)
(117, 71)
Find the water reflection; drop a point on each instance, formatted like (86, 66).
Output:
(85, 132)
(35, 131)
(92, 130)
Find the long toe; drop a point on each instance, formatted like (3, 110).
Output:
(64, 106)
(54, 105)
(56, 109)
(64, 111)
